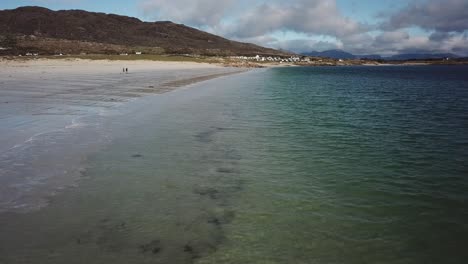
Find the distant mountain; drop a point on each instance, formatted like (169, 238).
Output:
(340, 54)
(334, 54)
(75, 31)
(370, 57)
(421, 56)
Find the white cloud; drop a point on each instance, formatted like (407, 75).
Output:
(259, 22)
(439, 15)
(313, 17)
(394, 42)
(196, 13)
(307, 45)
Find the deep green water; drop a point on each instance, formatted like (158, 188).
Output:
(285, 165)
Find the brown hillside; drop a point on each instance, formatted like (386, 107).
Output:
(43, 29)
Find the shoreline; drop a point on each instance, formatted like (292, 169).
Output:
(216, 61)
(53, 115)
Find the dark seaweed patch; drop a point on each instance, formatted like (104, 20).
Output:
(112, 235)
(214, 220)
(226, 170)
(206, 136)
(84, 238)
(108, 234)
(210, 192)
(191, 251)
(237, 185)
(153, 247)
(223, 128)
(232, 154)
(226, 217)
(188, 248)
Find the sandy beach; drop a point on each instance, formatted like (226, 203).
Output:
(43, 105)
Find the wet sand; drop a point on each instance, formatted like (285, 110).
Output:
(49, 108)
(160, 192)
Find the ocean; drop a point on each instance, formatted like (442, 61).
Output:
(355, 164)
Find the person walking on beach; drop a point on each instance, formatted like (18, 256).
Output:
(123, 69)
(126, 70)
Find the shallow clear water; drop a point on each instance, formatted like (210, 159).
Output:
(285, 165)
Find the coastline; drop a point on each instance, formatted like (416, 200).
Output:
(52, 116)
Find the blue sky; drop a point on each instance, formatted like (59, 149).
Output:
(360, 26)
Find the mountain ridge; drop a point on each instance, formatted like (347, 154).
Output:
(340, 54)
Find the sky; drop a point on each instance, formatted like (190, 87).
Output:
(384, 27)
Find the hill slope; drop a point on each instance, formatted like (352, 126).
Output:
(82, 31)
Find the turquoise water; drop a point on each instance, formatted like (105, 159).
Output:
(285, 165)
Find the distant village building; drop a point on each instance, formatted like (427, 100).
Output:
(281, 59)
(305, 59)
(138, 53)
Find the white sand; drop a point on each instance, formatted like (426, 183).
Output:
(36, 88)
(40, 100)
(96, 66)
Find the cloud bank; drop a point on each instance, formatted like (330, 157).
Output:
(438, 15)
(440, 26)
